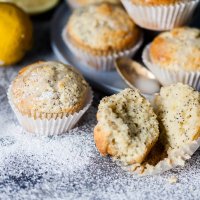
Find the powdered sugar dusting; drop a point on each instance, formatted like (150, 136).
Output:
(69, 167)
(46, 95)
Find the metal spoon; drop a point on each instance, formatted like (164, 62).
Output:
(137, 76)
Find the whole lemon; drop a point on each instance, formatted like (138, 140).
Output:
(16, 34)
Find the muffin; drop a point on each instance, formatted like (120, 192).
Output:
(79, 3)
(180, 118)
(174, 56)
(160, 15)
(97, 34)
(51, 93)
(177, 50)
(178, 111)
(127, 127)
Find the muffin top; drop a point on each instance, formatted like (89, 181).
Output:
(49, 88)
(156, 2)
(86, 2)
(101, 29)
(178, 49)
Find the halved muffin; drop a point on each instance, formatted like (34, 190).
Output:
(178, 108)
(178, 111)
(127, 127)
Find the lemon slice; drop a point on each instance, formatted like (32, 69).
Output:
(34, 6)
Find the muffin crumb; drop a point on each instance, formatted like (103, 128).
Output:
(173, 180)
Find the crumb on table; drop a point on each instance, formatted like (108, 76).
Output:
(173, 180)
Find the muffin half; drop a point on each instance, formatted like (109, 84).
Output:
(127, 127)
(178, 110)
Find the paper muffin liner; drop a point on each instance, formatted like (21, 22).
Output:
(100, 63)
(167, 77)
(176, 157)
(161, 17)
(49, 127)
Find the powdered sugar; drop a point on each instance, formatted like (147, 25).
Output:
(46, 95)
(69, 167)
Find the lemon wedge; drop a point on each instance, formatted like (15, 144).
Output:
(34, 6)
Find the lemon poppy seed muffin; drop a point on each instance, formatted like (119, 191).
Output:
(157, 2)
(178, 49)
(49, 88)
(178, 108)
(101, 29)
(127, 127)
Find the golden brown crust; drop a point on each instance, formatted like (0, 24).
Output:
(178, 49)
(101, 140)
(155, 2)
(102, 144)
(49, 90)
(100, 29)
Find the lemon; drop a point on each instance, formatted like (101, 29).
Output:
(34, 6)
(15, 34)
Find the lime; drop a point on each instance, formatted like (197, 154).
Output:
(34, 6)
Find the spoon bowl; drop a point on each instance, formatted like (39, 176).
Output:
(137, 76)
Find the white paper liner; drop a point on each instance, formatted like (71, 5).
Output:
(176, 157)
(45, 127)
(100, 63)
(161, 17)
(167, 77)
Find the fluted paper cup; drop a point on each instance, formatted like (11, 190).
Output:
(175, 157)
(54, 125)
(161, 18)
(167, 77)
(100, 63)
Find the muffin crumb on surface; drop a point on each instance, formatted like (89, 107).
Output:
(173, 180)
